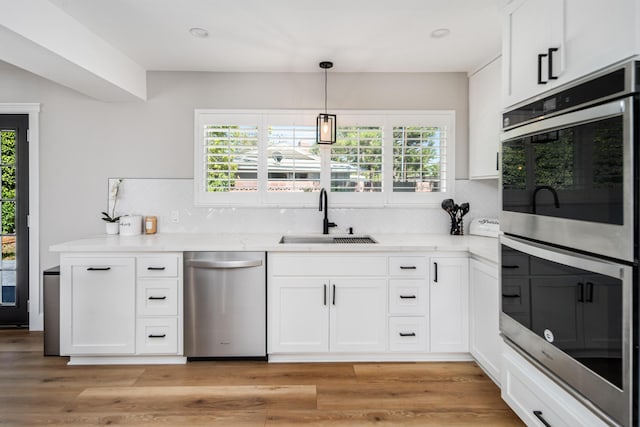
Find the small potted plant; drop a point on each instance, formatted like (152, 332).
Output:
(111, 221)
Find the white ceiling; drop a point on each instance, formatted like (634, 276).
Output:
(104, 48)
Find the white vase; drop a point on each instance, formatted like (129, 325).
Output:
(111, 227)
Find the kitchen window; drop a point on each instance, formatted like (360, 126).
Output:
(250, 158)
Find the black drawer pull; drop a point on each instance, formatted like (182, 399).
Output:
(510, 267)
(157, 336)
(435, 279)
(156, 268)
(408, 297)
(550, 69)
(538, 415)
(408, 267)
(157, 298)
(510, 295)
(407, 334)
(98, 268)
(540, 56)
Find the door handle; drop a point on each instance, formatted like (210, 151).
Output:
(407, 297)
(157, 336)
(157, 298)
(435, 279)
(334, 295)
(550, 69)
(538, 415)
(98, 268)
(156, 268)
(510, 295)
(589, 292)
(580, 292)
(325, 294)
(497, 161)
(408, 267)
(540, 56)
(407, 334)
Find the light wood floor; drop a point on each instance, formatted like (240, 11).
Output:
(37, 390)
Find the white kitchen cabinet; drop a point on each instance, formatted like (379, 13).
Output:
(117, 305)
(485, 342)
(449, 304)
(535, 397)
(588, 35)
(485, 121)
(322, 314)
(97, 305)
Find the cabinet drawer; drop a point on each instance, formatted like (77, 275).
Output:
(327, 265)
(408, 334)
(532, 395)
(408, 296)
(157, 297)
(408, 266)
(157, 266)
(157, 335)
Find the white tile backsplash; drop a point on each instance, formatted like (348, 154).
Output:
(160, 197)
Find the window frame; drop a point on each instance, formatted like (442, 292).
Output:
(387, 119)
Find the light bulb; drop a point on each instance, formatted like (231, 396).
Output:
(325, 127)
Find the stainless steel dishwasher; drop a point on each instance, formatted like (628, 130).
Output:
(225, 304)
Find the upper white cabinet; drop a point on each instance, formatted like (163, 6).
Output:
(547, 43)
(485, 121)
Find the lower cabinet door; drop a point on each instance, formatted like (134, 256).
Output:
(408, 334)
(97, 306)
(358, 321)
(449, 305)
(298, 314)
(157, 335)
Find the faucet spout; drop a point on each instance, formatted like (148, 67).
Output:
(556, 202)
(324, 204)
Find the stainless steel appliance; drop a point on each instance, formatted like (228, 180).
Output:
(569, 253)
(225, 304)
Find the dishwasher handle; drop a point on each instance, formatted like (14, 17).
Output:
(224, 264)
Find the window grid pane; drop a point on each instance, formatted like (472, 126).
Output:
(231, 158)
(419, 158)
(293, 159)
(356, 160)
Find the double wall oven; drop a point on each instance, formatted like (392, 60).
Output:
(569, 249)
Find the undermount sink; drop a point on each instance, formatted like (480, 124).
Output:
(327, 239)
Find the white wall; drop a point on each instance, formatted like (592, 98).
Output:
(84, 141)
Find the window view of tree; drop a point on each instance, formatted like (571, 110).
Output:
(231, 158)
(608, 156)
(8, 211)
(418, 159)
(554, 159)
(293, 160)
(356, 159)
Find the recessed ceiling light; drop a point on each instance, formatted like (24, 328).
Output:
(440, 33)
(199, 32)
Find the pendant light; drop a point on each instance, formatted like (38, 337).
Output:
(326, 123)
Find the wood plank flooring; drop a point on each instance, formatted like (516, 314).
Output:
(37, 390)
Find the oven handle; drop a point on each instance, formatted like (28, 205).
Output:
(572, 259)
(599, 112)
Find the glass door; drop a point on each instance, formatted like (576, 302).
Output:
(14, 207)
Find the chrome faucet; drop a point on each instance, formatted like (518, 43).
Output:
(325, 223)
(556, 202)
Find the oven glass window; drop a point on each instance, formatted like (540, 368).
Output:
(578, 311)
(573, 173)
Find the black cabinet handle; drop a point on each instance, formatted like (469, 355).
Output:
(98, 268)
(510, 267)
(435, 279)
(407, 297)
(580, 292)
(156, 268)
(550, 53)
(589, 292)
(497, 161)
(325, 295)
(157, 336)
(540, 56)
(538, 415)
(407, 334)
(510, 295)
(408, 267)
(157, 298)
(334, 295)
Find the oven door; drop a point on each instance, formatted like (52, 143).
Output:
(568, 180)
(573, 315)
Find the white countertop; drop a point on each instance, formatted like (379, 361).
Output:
(483, 247)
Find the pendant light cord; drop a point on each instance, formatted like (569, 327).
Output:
(325, 91)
